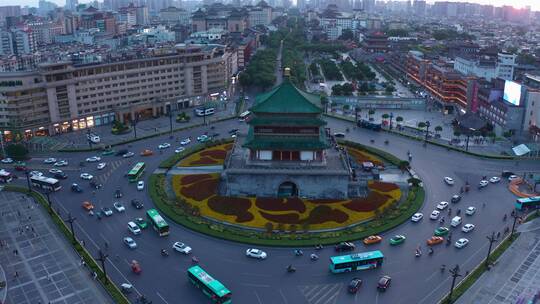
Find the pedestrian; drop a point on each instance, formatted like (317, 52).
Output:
(18, 213)
(94, 275)
(32, 228)
(16, 274)
(48, 277)
(82, 243)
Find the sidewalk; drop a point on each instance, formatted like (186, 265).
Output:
(39, 263)
(516, 276)
(77, 139)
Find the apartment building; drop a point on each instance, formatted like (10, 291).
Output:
(61, 97)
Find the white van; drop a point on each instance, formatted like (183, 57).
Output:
(133, 228)
(205, 112)
(456, 221)
(93, 138)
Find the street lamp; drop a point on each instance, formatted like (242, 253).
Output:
(102, 258)
(49, 200)
(88, 138)
(27, 172)
(492, 239)
(471, 130)
(170, 120)
(71, 220)
(455, 274)
(428, 124)
(134, 124)
(391, 116)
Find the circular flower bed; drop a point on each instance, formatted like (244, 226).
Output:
(200, 191)
(213, 156)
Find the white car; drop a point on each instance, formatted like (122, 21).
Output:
(202, 137)
(512, 177)
(61, 163)
(7, 160)
(93, 159)
(467, 228)
(130, 242)
(133, 228)
(86, 176)
(55, 171)
(449, 180)
(140, 185)
(417, 217)
(470, 210)
(107, 211)
(442, 205)
(50, 160)
(101, 166)
(164, 146)
(181, 247)
(256, 253)
(35, 173)
(483, 183)
(119, 207)
(179, 149)
(494, 179)
(461, 243)
(185, 142)
(435, 214)
(129, 154)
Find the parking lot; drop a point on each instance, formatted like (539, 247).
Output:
(39, 265)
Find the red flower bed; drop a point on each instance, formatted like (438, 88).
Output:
(236, 206)
(322, 214)
(373, 201)
(190, 179)
(200, 190)
(383, 187)
(361, 157)
(215, 154)
(323, 201)
(205, 160)
(289, 218)
(279, 204)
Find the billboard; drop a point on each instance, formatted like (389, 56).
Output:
(512, 92)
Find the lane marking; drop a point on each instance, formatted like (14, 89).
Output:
(257, 296)
(161, 297)
(283, 296)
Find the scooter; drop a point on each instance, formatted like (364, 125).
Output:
(314, 257)
(319, 247)
(164, 253)
(418, 253)
(430, 252)
(195, 260)
(290, 268)
(298, 252)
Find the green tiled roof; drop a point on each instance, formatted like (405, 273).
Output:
(292, 143)
(286, 98)
(287, 121)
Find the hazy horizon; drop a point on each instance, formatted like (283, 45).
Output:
(535, 4)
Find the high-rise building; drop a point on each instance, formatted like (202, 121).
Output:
(6, 43)
(24, 41)
(71, 4)
(419, 7)
(368, 5)
(9, 11)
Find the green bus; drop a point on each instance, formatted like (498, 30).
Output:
(135, 173)
(158, 222)
(528, 203)
(211, 287)
(356, 261)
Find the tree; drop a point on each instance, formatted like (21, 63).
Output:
(324, 102)
(403, 165)
(364, 87)
(346, 107)
(457, 134)
(370, 113)
(421, 125)
(337, 90)
(244, 79)
(346, 34)
(389, 89)
(399, 120)
(385, 116)
(357, 110)
(414, 181)
(17, 151)
(347, 89)
(438, 129)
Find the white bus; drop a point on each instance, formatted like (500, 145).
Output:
(46, 183)
(205, 112)
(243, 116)
(5, 176)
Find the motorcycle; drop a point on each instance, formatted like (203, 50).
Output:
(386, 142)
(430, 252)
(418, 253)
(319, 247)
(164, 253)
(314, 257)
(298, 252)
(290, 268)
(195, 260)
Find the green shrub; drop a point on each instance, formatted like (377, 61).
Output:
(17, 151)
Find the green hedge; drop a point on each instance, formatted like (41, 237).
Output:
(175, 212)
(144, 137)
(469, 280)
(175, 158)
(111, 288)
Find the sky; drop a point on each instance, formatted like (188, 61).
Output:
(535, 4)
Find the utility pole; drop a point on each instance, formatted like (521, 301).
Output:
(88, 138)
(71, 220)
(134, 124)
(428, 124)
(27, 172)
(492, 239)
(391, 116)
(2, 144)
(103, 258)
(455, 274)
(170, 120)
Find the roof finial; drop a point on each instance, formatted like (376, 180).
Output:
(287, 72)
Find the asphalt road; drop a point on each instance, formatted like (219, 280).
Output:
(415, 280)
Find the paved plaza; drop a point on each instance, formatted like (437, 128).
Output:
(38, 263)
(516, 276)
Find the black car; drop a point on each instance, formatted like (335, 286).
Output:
(344, 246)
(76, 188)
(137, 204)
(121, 152)
(214, 135)
(354, 285)
(507, 173)
(455, 198)
(117, 193)
(384, 283)
(233, 131)
(369, 125)
(60, 175)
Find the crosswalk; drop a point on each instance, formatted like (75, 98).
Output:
(321, 293)
(111, 167)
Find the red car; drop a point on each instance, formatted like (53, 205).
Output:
(21, 168)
